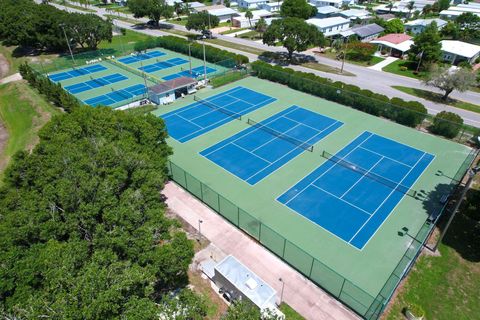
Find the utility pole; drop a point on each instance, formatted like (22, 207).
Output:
(190, 57)
(419, 62)
(344, 55)
(62, 25)
(204, 64)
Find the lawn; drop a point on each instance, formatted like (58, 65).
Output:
(397, 66)
(122, 18)
(23, 112)
(252, 35)
(235, 46)
(436, 97)
(233, 30)
(448, 286)
(326, 68)
(73, 6)
(371, 62)
(289, 313)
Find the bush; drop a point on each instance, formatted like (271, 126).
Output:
(212, 54)
(360, 51)
(403, 68)
(447, 124)
(409, 113)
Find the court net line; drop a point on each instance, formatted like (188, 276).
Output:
(299, 143)
(100, 82)
(218, 108)
(385, 181)
(134, 71)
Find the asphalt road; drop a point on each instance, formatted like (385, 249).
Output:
(365, 78)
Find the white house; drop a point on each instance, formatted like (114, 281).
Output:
(354, 14)
(395, 44)
(457, 51)
(330, 26)
(324, 3)
(453, 12)
(327, 11)
(271, 6)
(195, 5)
(224, 14)
(242, 22)
(401, 7)
(251, 4)
(168, 91)
(417, 26)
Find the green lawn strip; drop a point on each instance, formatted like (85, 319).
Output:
(181, 22)
(178, 32)
(290, 313)
(326, 68)
(251, 35)
(436, 97)
(235, 46)
(23, 112)
(395, 67)
(446, 286)
(143, 109)
(15, 62)
(121, 18)
(69, 5)
(371, 62)
(233, 30)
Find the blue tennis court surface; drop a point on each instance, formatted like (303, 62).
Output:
(352, 205)
(76, 72)
(117, 96)
(196, 72)
(255, 153)
(141, 57)
(163, 65)
(198, 118)
(95, 83)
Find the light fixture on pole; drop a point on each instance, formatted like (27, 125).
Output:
(283, 286)
(200, 221)
(62, 25)
(204, 64)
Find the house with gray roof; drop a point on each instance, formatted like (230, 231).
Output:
(364, 33)
(417, 26)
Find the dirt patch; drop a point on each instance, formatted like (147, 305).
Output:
(4, 66)
(216, 306)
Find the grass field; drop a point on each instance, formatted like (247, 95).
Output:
(325, 68)
(447, 286)
(289, 313)
(23, 112)
(436, 97)
(395, 67)
(235, 46)
(368, 269)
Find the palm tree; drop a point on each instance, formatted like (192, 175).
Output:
(249, 16)
(261, 25)
(178, 8)
(410, 7)
(390, 7)
(426, 10)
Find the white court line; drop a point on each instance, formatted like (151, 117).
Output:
(404, 164)
(344, 201)
(386, 198)
(240, 147)
(361, 178)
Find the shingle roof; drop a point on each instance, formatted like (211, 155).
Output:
(367, 30)
(173, 84)
(395, 38)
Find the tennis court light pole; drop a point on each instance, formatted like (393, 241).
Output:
(200, 221)
(471, 174)
(204, 64)
(62, 25)
(283, 286)
(190, 56)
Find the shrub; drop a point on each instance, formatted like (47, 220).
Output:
(447, 124)
(403, 68)
(360, 51)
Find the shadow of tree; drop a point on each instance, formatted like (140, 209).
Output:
(281, 58)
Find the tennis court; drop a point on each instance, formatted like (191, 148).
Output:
(160, 65)
(256, 152)
(196, 72)
(117, 95)
(76, 72)
(352, 194)
(95, 83)
(141, 57)
(205, 115)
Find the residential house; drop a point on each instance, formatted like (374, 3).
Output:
(271, 6)
(455, 51)
(394, 44)
(453, 12)
(251, 4)
(330, 26)
(169, 91)
(195, 5)
(417, 26)
(324, 3)
(364, 33)
(241, 21)
(401, 7)
(172, 2)
(220, 11)
(355, 14)
(326, 12)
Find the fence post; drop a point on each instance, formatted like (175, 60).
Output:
(311, 267)
(341, 289)
(185, 175)
(284, 246)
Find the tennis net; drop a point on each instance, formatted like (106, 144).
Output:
(220, 109)
(294, 141)
(385, 181)
(134, 71)
(100, 81)
(121, 93)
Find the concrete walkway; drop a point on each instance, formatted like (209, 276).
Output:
(237, 33)
(301, 294)
(379, 66)
(12, 78)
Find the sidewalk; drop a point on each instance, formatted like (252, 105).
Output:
(301, 294)
(379, 66)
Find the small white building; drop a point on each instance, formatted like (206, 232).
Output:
(271, 6)
(330, 26)
(354, 14)
(326, 12)
(251, 4)
(237, 282)
(195, 5)
(324, 3)
(224, 14)
(168, 91)
(242, 22)
(457, 51)
(394, 44)
(417, 26)
(453, 12)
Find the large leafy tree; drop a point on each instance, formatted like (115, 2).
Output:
(297, 9)
(294, 34)
(87, 30)
(153, 9)
(426, 46)
(201, 21)
(448, 80)
(83, 231)
(394, 26)
(469, 26)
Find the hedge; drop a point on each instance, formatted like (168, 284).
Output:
(212, 54)
(54, 92)
(447, 124)
(408, 113)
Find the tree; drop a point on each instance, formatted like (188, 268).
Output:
(83, 231)
(360, 51)
(297, 9)
(389, 6)
(447, 124)
(426, 45)
(294, 33)
(153, 9)
(261, 25)
(201, 21)
(243, 310)
(426, 10)
(178, 8)
(451, 30)
(448, 80)
(410, 6)
(394, 26)
(87, 30)
(469, 26)
(443, 4)
(249, 16)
